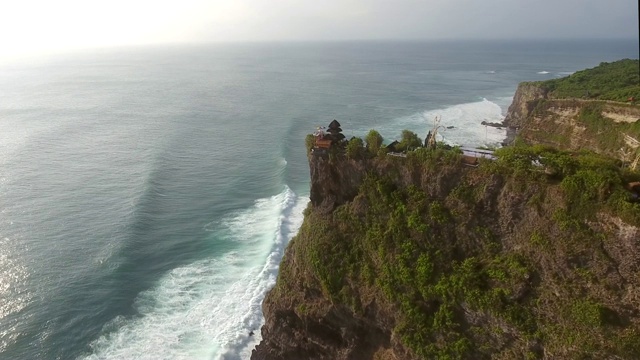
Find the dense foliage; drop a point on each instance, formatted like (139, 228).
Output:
(585, 178)
(370, 147)
(617, 81)
(409, 141)
(355, 148)
(439, 265)
(374, 141)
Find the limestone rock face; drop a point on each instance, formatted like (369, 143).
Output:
(524, 101)
(604, 127)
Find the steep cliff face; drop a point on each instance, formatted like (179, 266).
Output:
(574, 124)
(422, 258)
(333, 185)
(527, 96)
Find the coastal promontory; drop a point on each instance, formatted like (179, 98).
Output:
(426, 253)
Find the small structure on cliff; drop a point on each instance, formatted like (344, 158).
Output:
(335, 131)
(327, 136)
(393, 147)
(322, 141)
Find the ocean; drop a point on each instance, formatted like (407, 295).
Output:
(147, 194)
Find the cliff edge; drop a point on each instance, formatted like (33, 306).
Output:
(595, 109)
(525, 100)
(423, 257)
(534, 254)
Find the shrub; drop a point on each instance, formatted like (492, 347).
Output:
(355, 148)
(374, 141)
(410, 141)
(309, 142)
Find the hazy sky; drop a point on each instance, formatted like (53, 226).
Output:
(34, 25)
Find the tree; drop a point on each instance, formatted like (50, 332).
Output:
(355, 148)
(374, 141)
(409, 141)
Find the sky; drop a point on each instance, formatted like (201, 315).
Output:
(29, 26)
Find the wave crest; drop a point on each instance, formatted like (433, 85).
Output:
(465, 119)
(207, 309)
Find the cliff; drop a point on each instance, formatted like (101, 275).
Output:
(594, 109)
(423, 258)
(525, 100)
(535, 255)
(574, 124)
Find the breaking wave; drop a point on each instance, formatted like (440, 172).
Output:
(462, 124)
(207, 309)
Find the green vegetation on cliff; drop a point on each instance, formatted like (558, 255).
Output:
(587, 110)
(608, 135)
(612, 130)
(616, 81)
(519, 258)
(533, 255)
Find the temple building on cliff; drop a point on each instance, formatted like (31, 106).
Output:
(325, 137)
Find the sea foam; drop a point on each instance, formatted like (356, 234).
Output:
(206, 310)
(465, 119)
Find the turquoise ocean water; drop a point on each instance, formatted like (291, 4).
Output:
(146, 195)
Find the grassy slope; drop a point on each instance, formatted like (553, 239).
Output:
(616, 81)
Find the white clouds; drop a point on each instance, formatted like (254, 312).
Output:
(48, 25)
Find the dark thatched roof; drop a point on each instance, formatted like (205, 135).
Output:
(334, 124)
(392, 146)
